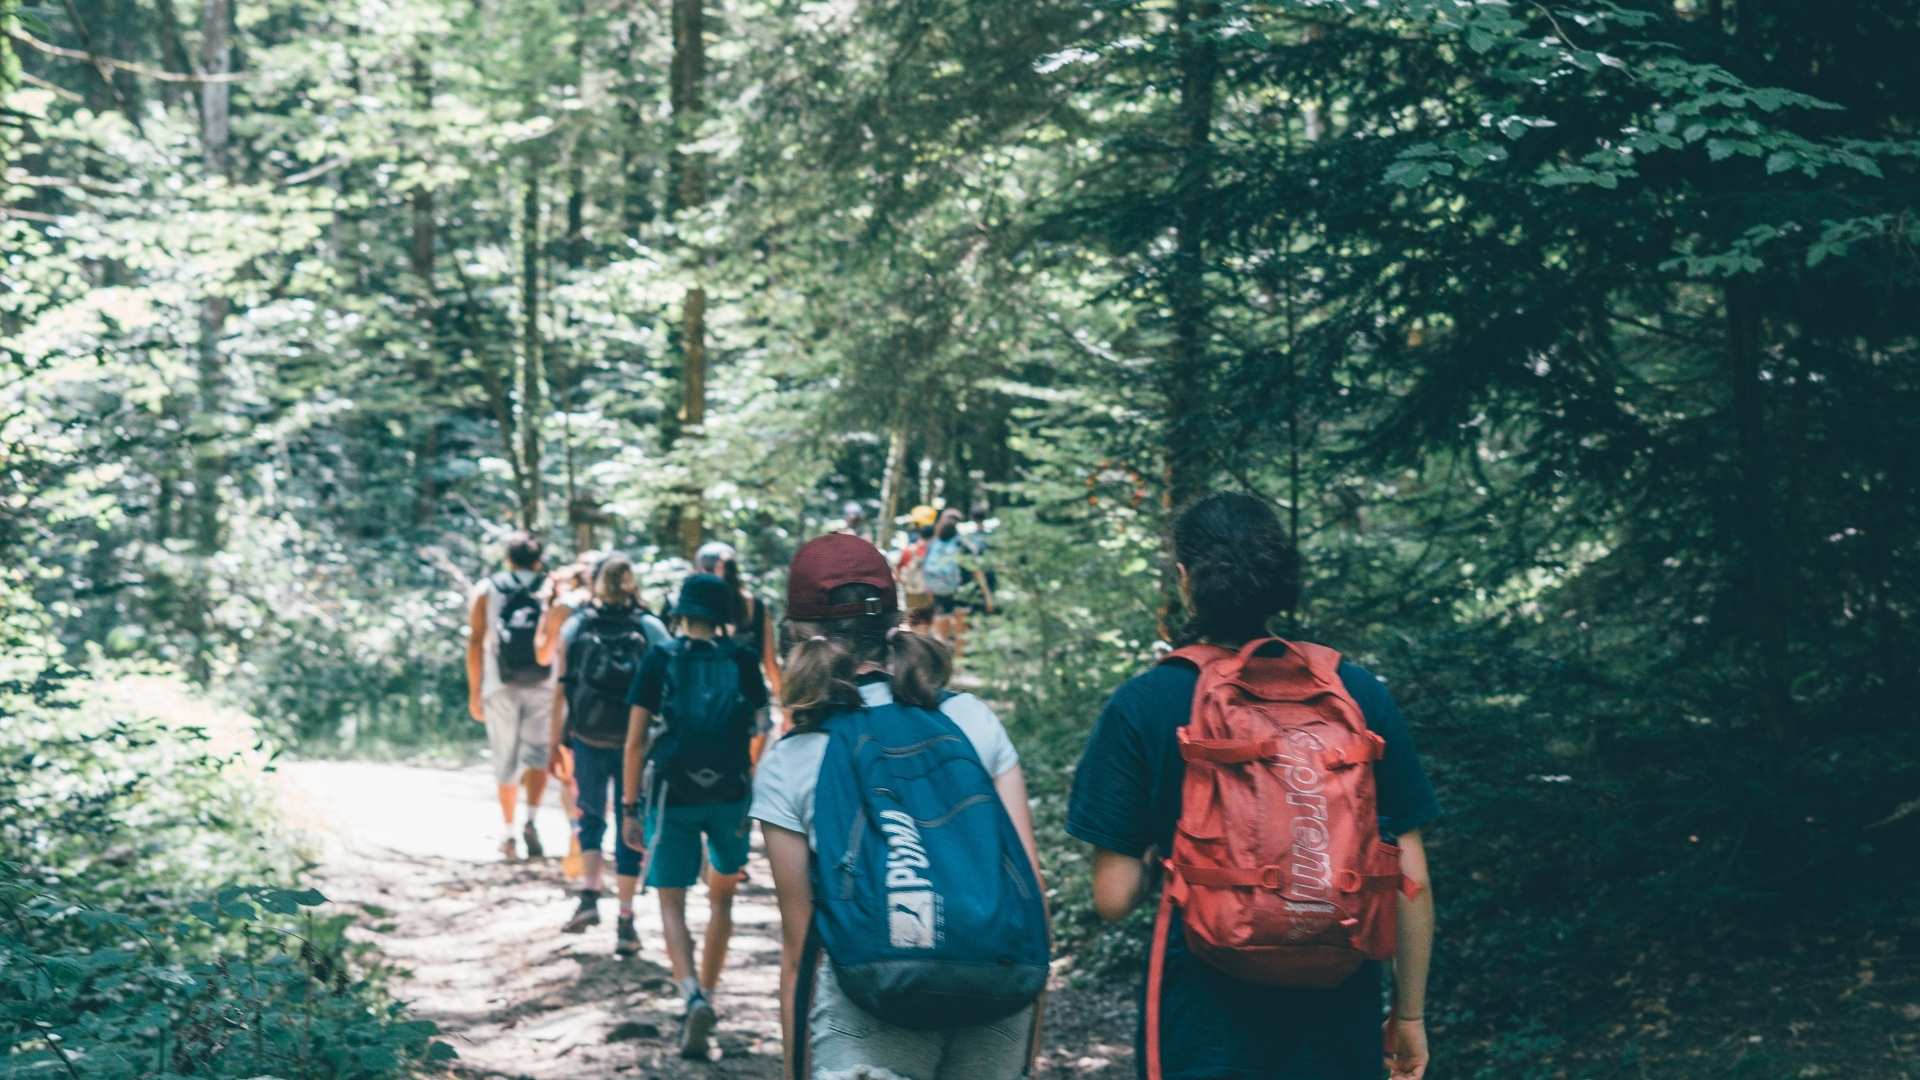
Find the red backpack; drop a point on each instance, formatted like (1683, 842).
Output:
(1277, 867)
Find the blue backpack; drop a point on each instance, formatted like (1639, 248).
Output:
(941, 567)
(923, 896)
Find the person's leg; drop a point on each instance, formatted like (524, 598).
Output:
(673, 844)
(958, 623)
(728, 835)
(626, 868)
(673, 925)
(536, 735)
(503, 749)
(593, 768)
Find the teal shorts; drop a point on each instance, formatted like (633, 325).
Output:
(673, 859)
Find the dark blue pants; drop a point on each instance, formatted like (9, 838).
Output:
(595, 768)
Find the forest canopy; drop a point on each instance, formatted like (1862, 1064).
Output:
(1575, 341)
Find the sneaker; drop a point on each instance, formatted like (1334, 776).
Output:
(587, 914)
(532, 838)
(697, 1026)
(509, 850)
(626, 940)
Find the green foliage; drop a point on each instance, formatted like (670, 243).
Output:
(129, 948)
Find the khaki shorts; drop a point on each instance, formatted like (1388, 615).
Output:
(519, 722)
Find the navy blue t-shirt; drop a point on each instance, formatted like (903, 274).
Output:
(1126, 798)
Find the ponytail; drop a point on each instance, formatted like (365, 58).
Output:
(824, 658)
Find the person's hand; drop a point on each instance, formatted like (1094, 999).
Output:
(631, 832)
(1405, 1043)
(474, 710)
(557, 763)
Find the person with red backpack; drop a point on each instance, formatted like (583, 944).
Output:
(1276, 789)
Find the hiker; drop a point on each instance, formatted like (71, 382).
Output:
(603, 646)
(693, 704)
(880, 975)
(977, 540)
(948, 571)
(1272, 795)
(853, 519)
(919, 601)
(749, 623)
(510, 683)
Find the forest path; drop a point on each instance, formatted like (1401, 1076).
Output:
(477, 941)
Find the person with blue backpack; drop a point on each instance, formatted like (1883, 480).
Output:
(688, 773)
(914, 942)
(603, 645)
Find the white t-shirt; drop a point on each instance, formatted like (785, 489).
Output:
(490, 646)
(790, 770)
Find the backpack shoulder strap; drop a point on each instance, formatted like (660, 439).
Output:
(1197, 655)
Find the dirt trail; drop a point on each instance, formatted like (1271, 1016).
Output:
(476, 938)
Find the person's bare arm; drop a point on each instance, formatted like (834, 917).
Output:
(1012, 788)
(1119, 883)
(769, 653)
(633, 758)
(787, 852)
(546, 637)
(986, 594)
(557, 734)
(476, 663)
(1405, 1038)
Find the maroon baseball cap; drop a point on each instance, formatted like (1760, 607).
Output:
(825, 563)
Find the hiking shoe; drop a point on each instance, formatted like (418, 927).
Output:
(509, 850)
(532, 838)
(697, 1026)
(587, 914)
(626, 940)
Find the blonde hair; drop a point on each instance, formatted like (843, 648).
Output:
(614, 582)
(824, 658)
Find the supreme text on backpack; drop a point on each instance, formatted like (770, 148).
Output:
(924, 898)
(517, 627)
(1278, 871)
(601, 661)
(704, 754)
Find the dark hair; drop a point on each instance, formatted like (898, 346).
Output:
(949, 530)
(524, 550)
(981, 511)
(823, 656)
(1241, 568)
(926, 532)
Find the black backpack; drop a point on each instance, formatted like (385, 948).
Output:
(519, 623)
(601, 661)
(703, 755)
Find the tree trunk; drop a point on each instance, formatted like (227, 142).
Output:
(216, 59)
(891, 482)
(690, 192)
(426, 358)
(532, 401)
(1761, 577)
(1187, 380)
(172, 51)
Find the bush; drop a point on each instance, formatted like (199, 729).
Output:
(153, 927)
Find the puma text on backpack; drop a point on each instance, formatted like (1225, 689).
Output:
(517, 626)
(924, 898)
(1277, 871)
(601, 662)
(704, 754)
(941, 569)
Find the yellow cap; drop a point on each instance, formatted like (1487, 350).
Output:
(923, 516)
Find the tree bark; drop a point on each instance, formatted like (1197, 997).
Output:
(216, 58)
(1187, 375)
(690, 192)
(891, 482)
(532, 401)
(1761, 577)
(426, 357)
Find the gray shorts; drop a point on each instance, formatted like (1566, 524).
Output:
(845, 1042)
(519, 722)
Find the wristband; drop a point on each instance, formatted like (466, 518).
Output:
(1409, 1019)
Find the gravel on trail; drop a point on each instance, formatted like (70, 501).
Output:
(477, 943)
